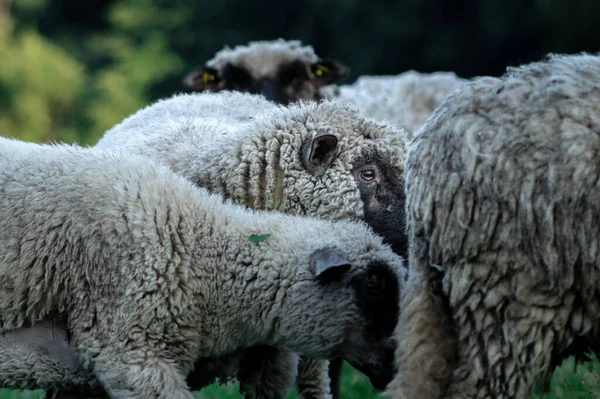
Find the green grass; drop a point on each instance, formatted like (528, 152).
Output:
(569, 382)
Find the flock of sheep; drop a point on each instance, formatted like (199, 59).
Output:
(440, 234)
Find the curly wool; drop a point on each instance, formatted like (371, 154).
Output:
(258, 162)
(138, 259)
(405, 100)
(503, 210)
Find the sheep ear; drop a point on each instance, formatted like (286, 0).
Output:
(319, 151)
(203, 78)
(330, 265)
(328, 71)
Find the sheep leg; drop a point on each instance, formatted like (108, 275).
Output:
(135, 375)
(313, 379)
(39, 356)
(266, 372)
(426, 343)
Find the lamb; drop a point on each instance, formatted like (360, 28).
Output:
(405, 100)
(283, 71)
(503, 208)
(137, 259)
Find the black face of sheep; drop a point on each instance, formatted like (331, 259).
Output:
(381, 191)
(372, 353)
(383, 196)
(290, 81)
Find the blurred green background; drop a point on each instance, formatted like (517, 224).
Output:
(568, 382)
(70, 69)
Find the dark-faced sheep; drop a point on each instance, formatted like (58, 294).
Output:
(503, 207)
(282, 71)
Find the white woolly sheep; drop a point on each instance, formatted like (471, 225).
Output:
(282, 71)
(152, 272)
(405, 100)
(503, 207)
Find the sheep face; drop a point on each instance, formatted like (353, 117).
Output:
(282, 72)
(375, 168)
(369, 347)
(353, 312)
(382, 194)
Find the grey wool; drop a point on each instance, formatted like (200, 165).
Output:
(503, 208)
(301, 159)
(153, 273)
(304, 159)
(283, 71)
(405, 100)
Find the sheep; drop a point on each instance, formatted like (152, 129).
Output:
(152, 272)
(229, 158)
(503, 214)
(405, 100)
(282, 71)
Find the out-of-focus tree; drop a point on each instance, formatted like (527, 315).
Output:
(75, 86)
(39, 85)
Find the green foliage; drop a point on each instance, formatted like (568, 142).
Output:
(575, 382)
(122, 88)
(75, 88)
(567, 383)
(72, 69)
(256, 238)
(39, 86)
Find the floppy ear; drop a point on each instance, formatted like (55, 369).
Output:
(318, 151)
(330, 264)
(328, 71)
(203, 78)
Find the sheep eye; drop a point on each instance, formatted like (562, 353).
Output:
(367, 174)
(320, 70)
(208, 77)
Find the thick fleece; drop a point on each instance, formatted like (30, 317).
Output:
(153, 272)
(405, 100)
(283, 71)
(503, 203)
(305, 159)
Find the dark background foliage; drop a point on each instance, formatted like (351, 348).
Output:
(78, 67)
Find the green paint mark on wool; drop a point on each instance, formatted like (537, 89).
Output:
(256, 238)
